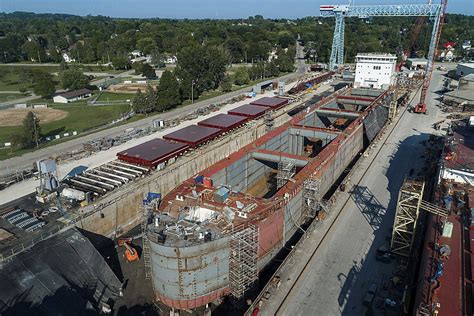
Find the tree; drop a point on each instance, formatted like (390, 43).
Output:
(120, 62)
(145, 103)
(34, 51)
(168, 92)
(139, 102)
(148, 71)
(31, 130)
(285, 40)
(73, 79)
(43, 84)
(146, 45)
(241, 76)
(157, 59)
(285, 61)
(226, 84)
(205, 66)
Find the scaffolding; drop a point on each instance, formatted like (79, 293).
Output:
(269, 121)
(311, 195)
(392, 108)
(147, 211)
(410, 202)
(286, 170)
(243, 259)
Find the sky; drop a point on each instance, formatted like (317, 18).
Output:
(222, 9)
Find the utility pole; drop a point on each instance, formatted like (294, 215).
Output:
(34, 127)
(192, 91)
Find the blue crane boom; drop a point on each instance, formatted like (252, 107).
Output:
(340, 12)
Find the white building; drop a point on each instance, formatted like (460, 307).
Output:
(171, 59)
(416, 63)
(375, 70)
(68, 58)
(72, 96)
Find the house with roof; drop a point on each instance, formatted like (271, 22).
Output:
(72, 96)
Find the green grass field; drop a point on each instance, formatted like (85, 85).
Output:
(10, 76)
(10, 96)
(81, 118)
(110, 96)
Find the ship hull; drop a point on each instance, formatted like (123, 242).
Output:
(188, 277)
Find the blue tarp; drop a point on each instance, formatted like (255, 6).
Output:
(75, 171)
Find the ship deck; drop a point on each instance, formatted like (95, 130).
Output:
(307, 144)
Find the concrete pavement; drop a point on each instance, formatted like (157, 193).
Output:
(335, 279)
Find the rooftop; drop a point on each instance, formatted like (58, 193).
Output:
(75, 93)
(223, 121)
(248, 110)
(270, 102)
(467, 94)
(151, 152)
(460, 148)
(376, 55)
(468, 65)
(193, 135)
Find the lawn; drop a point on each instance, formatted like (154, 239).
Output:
(10, 96)
(81, 118)
(110, 96)
(10, 81)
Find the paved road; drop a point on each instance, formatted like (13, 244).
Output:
(343, 267)
(27, 160)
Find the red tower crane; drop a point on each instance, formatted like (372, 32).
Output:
(435, 36)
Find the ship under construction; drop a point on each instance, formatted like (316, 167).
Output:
(214, 233)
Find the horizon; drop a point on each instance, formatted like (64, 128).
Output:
(208, 9)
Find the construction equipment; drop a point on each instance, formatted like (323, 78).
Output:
(340, 12)
(130, 253)
(435, 35)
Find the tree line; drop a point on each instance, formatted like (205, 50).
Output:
(44, 37)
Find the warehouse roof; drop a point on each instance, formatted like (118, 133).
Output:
(193, 135)
(248, 110)
(151, 152)
(270, 102)
(75, 93)
(223, 121)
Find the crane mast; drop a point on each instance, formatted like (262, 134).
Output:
(340, 12)
(435, 36)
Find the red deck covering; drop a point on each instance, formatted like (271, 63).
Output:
(193, 135)
(248, 110)
(152, 153)
(224, 122)
(270, 102)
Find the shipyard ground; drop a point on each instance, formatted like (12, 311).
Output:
(336, 265)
